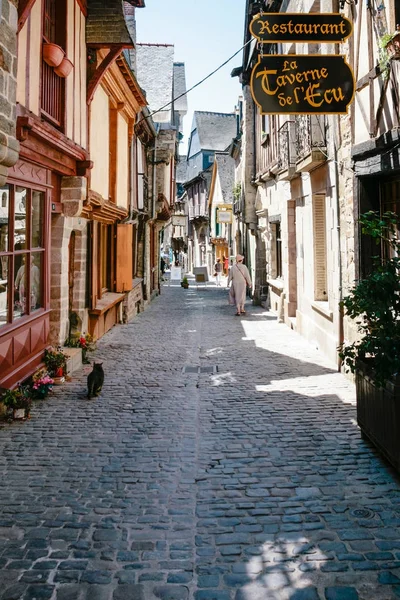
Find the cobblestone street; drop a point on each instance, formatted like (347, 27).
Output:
(222, 461)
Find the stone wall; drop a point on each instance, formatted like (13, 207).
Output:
(61, 231)
(133, 301)
(9, 147)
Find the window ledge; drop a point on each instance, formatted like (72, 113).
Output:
(106, 302)
(278, 284)
(137, 281)
(322, 307)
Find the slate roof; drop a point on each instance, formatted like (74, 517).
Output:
(181, 169)
(155, 71)
(226, 174)
(179, 86)
(105, 23)
(215, 130)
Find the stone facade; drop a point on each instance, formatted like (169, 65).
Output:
(133, 302)
(9, 146)
(69, 243)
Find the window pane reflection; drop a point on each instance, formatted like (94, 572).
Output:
(4, 269)
(20, 241)
(36, 276)
(20, 285)
(37, 219)
(4, 217)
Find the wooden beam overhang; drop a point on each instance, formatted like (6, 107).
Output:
(131, 81)
(165, 213)
(99, 73)
(96, 208)
(43, 144)
(24, 8)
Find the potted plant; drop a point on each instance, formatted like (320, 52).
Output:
(85, 341)
(42, 384)
(56, 364)
(374, 304)
(185, 283)
(389, 48)
(53, 54)
(18, 401)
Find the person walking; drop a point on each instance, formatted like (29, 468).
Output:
(218, 268)
(225, 263)
(239, 277)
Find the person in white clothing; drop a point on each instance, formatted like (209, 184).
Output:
(240, 277)
(218, 271)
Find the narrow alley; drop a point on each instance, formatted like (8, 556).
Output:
(222, 461)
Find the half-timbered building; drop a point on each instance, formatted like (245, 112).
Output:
(66, 256)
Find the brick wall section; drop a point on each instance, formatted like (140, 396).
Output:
(9, 146)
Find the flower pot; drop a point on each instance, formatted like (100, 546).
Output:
(53, 54)
(64, 68)
(59, 372)
(18, 413)
(40, 394)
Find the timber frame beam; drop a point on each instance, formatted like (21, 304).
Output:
(24, 8)
(99, 73)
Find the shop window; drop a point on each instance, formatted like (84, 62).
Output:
(320, 252)
(22, 216)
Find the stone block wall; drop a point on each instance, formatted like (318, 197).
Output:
(133, 301)
(61, 230)
(9, 146)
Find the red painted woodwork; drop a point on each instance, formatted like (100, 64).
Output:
(21, 348)
(43, 144)
(52, 96)
(24, 8)
(29, 173)
(101, 69)
(83, 6)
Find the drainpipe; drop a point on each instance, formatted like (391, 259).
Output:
(340, 334)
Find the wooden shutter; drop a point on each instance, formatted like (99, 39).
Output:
(320, 277)
(123, 278)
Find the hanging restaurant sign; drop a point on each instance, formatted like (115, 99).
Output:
(302, 84)
(299, 27)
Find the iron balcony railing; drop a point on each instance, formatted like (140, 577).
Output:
(287, 146)
(310, 135)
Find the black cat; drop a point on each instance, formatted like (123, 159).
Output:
(95, 380)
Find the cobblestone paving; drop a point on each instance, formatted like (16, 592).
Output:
(250, 483)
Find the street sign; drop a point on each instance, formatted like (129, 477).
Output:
(179, 220)
(224, 215)
(300, 27)
(302, 84)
